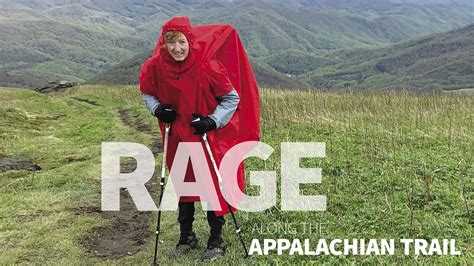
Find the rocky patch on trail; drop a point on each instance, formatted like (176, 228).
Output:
(17, 163)
(129, 230)
(56, 86)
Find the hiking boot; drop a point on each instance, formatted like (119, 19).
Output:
(185, 243)
(215, 249)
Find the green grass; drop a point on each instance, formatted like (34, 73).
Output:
(396, 167)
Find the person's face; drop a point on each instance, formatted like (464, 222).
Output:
(178, 48)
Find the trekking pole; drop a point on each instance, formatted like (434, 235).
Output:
(162, 184)
(221, 187)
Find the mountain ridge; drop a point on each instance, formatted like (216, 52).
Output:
(77, 40)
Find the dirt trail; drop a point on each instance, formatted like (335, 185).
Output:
(129, 231)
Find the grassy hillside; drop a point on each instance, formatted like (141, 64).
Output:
(59, 39)
(397, 166)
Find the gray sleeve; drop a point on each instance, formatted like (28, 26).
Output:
(151, 102)
(226, 108)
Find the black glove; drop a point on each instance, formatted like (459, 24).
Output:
(202, 124)
(165, 113)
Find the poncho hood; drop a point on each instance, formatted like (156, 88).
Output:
(175, 68)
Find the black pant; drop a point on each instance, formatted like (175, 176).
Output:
(186, 219)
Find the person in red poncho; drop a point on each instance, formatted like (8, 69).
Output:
(201, 71)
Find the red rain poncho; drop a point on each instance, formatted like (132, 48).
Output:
(216, 63)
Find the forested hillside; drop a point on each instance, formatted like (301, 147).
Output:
(438, 61)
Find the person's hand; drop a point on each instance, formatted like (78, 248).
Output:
(202, 124)
(165, 113)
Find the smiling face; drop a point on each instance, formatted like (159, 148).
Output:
(177, 45)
